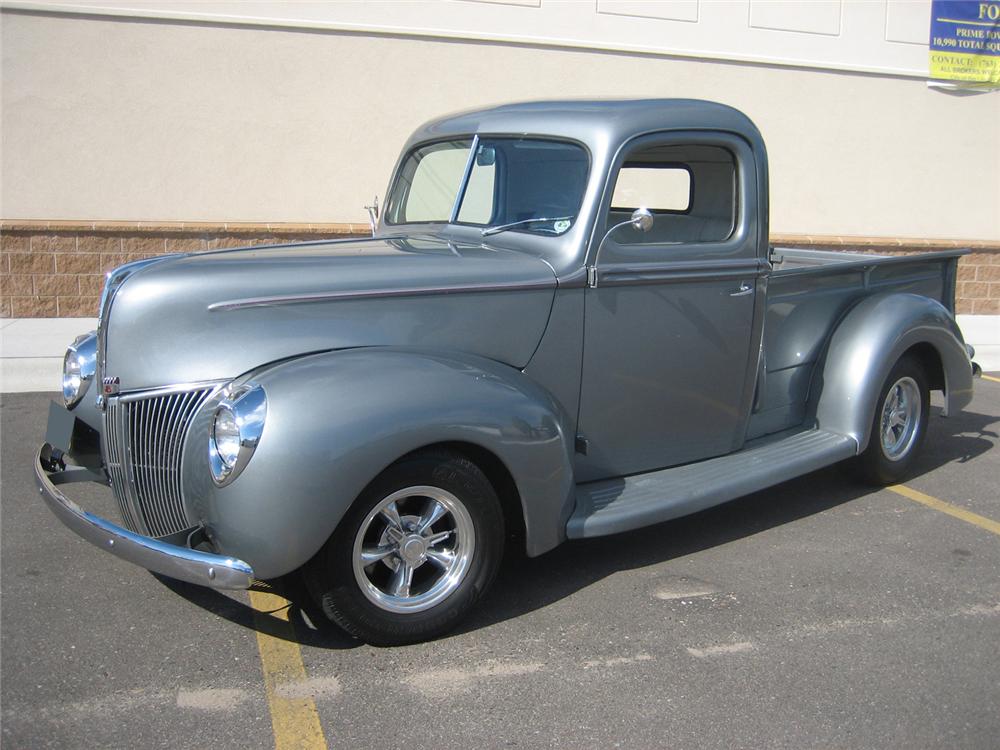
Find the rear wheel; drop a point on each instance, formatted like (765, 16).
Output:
(898, 426)
(413, 554)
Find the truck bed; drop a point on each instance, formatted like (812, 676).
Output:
(809, 292)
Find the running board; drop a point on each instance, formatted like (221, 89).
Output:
(611, 506)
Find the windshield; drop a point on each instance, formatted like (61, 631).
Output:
(520, 184)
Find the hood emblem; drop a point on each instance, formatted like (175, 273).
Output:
(110, 386)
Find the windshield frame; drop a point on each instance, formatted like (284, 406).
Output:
(475, 139)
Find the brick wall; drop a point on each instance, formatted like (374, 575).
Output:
(56, 269)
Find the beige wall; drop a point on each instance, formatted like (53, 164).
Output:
(155, 120)
(876, 36)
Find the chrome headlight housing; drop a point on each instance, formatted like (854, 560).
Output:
(236, 430)
(79, 366)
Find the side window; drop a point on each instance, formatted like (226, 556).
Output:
(691, 191)
(659, 188)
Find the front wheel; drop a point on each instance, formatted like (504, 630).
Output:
(899, 424)
(414, 553)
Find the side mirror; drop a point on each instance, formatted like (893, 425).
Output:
(641, 220)
(373, 214)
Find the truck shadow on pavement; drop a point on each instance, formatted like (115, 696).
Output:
(526, 584)
(311, 627)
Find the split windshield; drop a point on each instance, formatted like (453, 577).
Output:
(531, 184)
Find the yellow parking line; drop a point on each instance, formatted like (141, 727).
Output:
(294, 719)
(952, 510)
(990, 377)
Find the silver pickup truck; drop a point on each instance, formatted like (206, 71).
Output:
(568, 322)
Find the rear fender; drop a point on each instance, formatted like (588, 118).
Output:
(863, 349)
(336, 420)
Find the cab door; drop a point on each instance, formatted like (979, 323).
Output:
(672, 327)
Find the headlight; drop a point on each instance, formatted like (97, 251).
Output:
(79, 366)
(236, 430)
(226, 434)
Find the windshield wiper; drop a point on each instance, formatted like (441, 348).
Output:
(504, 227)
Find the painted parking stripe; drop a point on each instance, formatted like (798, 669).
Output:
(990, 377)
(295, 720)
(952, 510)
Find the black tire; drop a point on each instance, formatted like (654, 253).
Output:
(890, 460)
(365, 600)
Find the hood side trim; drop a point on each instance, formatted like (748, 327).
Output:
(299, 299)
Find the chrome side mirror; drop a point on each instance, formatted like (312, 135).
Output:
(373, 214)
(641, 220)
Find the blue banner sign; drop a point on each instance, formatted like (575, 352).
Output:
(965, 41)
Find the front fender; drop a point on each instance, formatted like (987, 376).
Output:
(336, 420)
(863, 349)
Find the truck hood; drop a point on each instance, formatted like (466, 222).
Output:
(215, 316)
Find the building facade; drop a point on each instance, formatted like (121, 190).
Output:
(138, 128)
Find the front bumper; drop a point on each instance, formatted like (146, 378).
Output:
(182, 563)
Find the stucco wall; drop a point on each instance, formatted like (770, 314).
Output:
(135, 120)
(875, 36)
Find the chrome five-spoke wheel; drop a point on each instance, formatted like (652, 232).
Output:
(901, 412)
(413, 553)
(413, 549)
(898, 425)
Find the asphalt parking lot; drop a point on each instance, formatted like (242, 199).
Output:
(816, 614)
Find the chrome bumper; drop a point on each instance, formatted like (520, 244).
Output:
(184, 564)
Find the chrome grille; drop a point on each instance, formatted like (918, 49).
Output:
(143, 440)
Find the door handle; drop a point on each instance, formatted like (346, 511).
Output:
(744, 290)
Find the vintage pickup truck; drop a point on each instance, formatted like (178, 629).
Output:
(568, 322)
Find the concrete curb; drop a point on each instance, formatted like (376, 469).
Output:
(983, 332)
(31, 349)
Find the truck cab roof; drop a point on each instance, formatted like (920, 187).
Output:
(598, 123)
